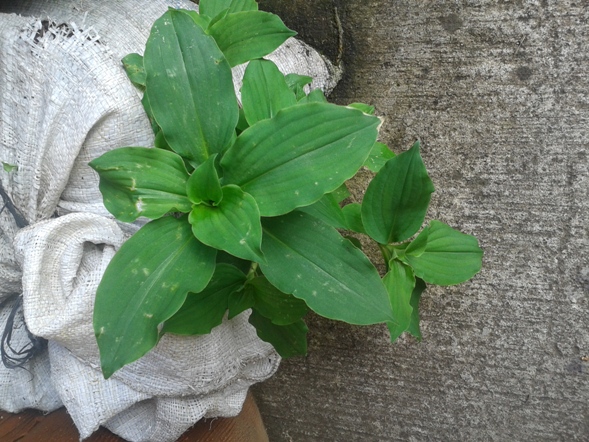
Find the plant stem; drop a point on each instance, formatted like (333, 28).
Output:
(387, 254)
(252, 271)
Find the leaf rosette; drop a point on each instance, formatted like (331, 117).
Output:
(246, 199)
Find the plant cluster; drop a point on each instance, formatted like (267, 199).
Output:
(245, 199)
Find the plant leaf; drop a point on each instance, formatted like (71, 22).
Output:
(147, 108)
(241, 123)
(200, 19)
(160, 142)
(190, 87)
(139, 181)
(297, 84)
(353, 215)
(203, 184)
(315, 96)
(341, 193)
(211, 8)
(400, 282)
(244, 36)
(415, 247)
(9, 167)
(203, 311)
(287, 340)
(302, 153)
(264, 91)
(396, 200)
(133, 65)
(310, 260)
(379, 155)
(413, 328)
(279, 307)
(327, 209)
(366, 108)
(233, 225)
(240, 301)
(449, 257)
(145, 284)
(226, 258)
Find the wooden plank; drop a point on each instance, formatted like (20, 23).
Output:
(34, 426)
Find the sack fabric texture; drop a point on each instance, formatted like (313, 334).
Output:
(65, 100)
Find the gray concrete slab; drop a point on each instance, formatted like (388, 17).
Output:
(498, 92)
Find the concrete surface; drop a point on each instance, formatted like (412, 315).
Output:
(498, 92)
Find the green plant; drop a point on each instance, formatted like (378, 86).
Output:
(245, 199)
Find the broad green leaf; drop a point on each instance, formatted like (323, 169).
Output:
(233, 225)
(190, 87)
(203, 185)
(400, 282)
(203, 311)
(264, 91)
(201, 20)
(449, 257)
(139, 181)
(315, 96)
(366, 108)
(297, 84)
(287, 340)
(133, 65)
(415, 247)
(244, 36)
(160, 141)
(221, 15)
(279, 307)
(353, 216)
(144, 285)
(211, 8)
(396, 200)
(302, 153)
(327, 209)
(413, 328)
(147, 107)
(379, 155)
(355, 242)
(341, 193)
(310, 260)
(240, 301)
(226, 258)
(242, 122)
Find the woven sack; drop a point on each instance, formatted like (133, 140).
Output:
(28, 386)
(65, 101)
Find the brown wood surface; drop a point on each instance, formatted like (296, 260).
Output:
(34, 426)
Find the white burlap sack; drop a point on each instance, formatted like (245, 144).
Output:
(66, 100)
(25, 387)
